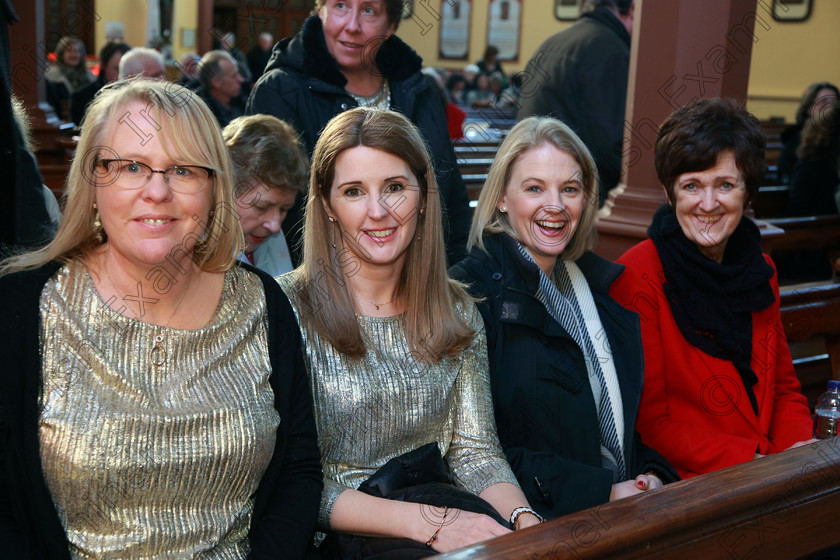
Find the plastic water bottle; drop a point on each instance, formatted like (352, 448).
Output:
(828, 412)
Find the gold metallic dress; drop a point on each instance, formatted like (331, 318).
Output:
(150, 461)
(372, 409)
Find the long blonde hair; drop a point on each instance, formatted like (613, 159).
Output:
(433, 326)
(528, 134)
(188, 129)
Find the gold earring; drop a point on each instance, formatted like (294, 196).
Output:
(98, 230)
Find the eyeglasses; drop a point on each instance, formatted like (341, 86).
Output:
(130, 174)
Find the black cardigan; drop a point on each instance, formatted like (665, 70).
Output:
(287, 498)
(545, 410)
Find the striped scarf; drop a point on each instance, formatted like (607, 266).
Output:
(567, 298)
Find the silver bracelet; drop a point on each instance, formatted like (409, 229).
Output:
(514, 515)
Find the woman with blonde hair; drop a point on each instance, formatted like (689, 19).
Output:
(396, 352)
(153, 395)
(565, 358)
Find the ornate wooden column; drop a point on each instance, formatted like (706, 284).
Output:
(681, 50)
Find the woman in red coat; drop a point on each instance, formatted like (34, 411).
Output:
(719, 387)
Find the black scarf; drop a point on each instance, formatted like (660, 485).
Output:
(712, 302)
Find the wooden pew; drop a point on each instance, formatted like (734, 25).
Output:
(811, 310)
(807, 232)
(771, 201)
(780, 507)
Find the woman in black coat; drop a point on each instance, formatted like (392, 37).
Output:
(346, 57)
(565, 359)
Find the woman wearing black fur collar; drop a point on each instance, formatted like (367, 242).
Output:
(720, 388)
(345, 56)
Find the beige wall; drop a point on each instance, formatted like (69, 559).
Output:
(789, 56)
(131, 12)
(538, 23)
(185, 16)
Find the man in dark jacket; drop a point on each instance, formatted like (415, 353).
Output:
(304, 86)
(579, 76)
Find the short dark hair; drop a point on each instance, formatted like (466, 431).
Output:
(692, 138)
(394, 9)
(110, 49)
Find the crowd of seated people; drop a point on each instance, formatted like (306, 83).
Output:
(395, 377)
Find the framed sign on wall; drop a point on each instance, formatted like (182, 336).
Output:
(566, 10)
(791, 10)
(455, 17)
(504, 22)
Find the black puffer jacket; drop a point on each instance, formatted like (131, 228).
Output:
(303, 86)
(545, 409)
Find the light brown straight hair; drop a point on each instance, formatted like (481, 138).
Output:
(434, 328)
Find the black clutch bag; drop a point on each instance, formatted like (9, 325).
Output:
(420, 476)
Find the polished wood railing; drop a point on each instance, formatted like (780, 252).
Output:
(782, 506)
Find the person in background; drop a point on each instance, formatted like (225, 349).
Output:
(720, 388)
(271, 168)
(816, 100)
(396, 351)
(137, 331)
(228, 43)
(455, 116)
(490, 62)
(259, 56)
(565, 358)
(509, 97)
(480, 94)
(189, 67)
(25, 220)
(456, 88)
(221, 86)
(68, 74)
(141, 61)
(347, 55)
(815, 176)
(470, 72)
(109, 71)
(586, 68)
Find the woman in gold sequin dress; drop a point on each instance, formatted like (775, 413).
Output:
(395, 350)
(153, 399)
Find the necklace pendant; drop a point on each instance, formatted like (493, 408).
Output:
(157, 355)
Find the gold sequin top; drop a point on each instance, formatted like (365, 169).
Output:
(145, 461)
(387, 403)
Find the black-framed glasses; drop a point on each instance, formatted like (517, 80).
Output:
(131, 174)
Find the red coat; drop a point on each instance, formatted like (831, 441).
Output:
(694, 409)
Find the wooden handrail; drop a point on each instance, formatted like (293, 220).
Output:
(782, 506)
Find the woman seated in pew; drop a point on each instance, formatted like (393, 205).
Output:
(270, 167)
(396, 353)
(816, 176)
(720, 388)
(154, 401)
(816, 99)
(565, 359)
